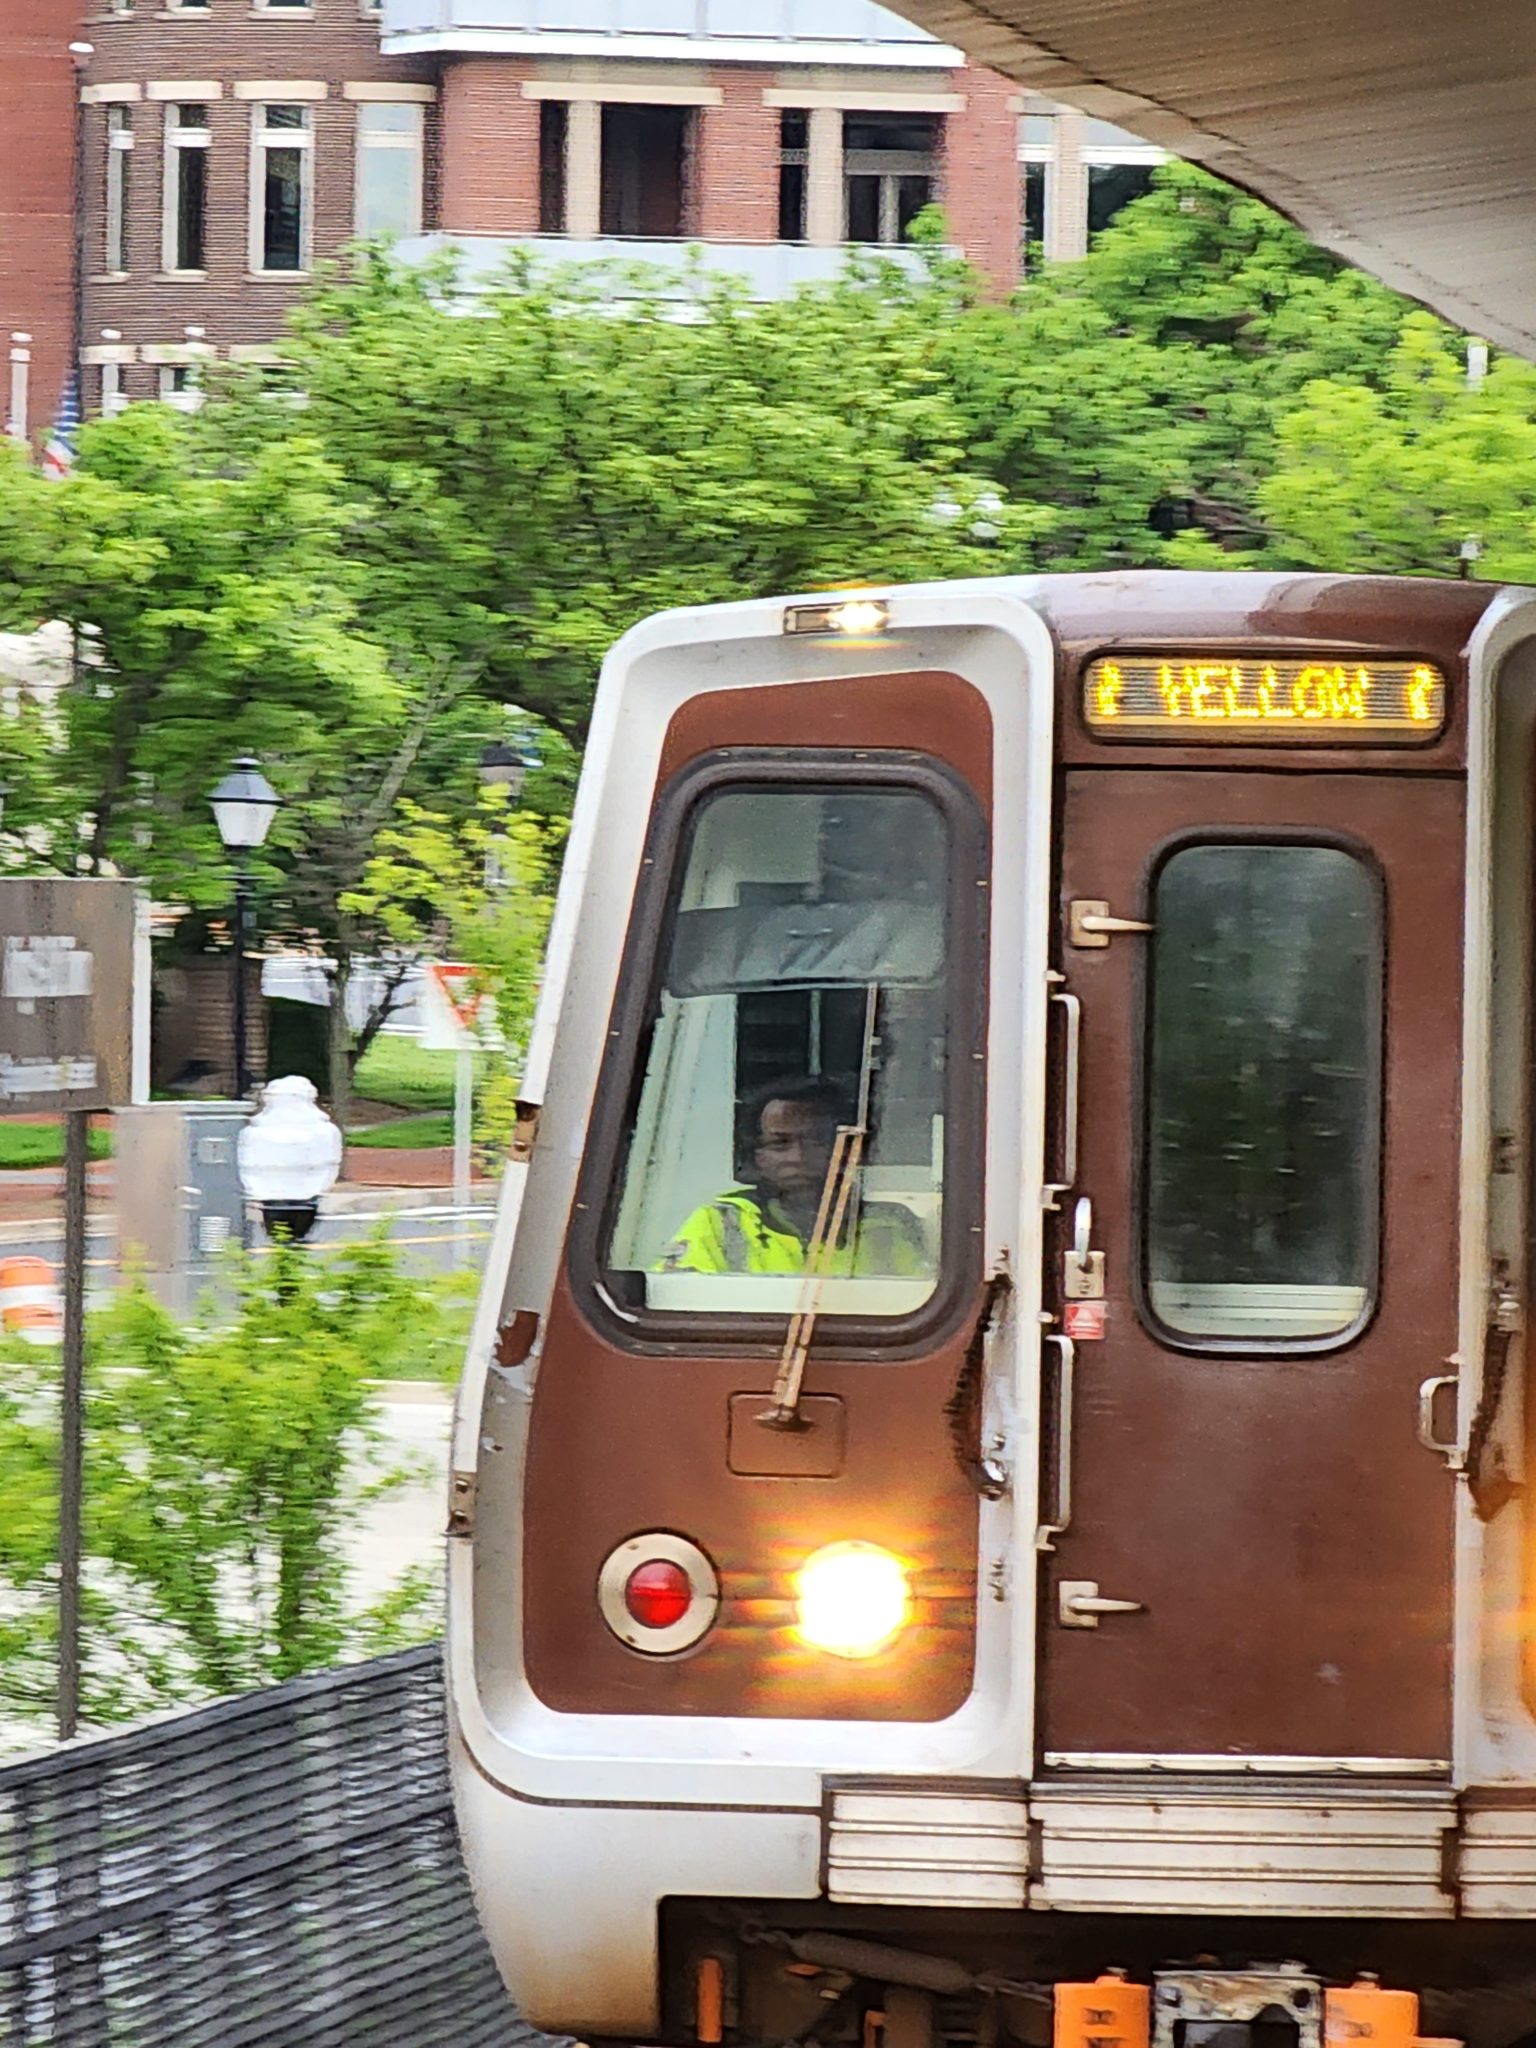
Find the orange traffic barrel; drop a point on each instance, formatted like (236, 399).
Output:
(1365, 2016)
(1109, 2013)
(31, 1306)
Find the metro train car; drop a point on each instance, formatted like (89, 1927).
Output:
(989, 1493)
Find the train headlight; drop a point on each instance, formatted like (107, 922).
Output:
(851, 1599)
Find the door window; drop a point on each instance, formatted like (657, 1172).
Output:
(788, 1125)
(1263, 1130)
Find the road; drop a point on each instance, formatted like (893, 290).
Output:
(431, 1238)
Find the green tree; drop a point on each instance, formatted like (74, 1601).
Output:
(222, 1471)
(480, 890)
(1150, 377)
(1396, 477)
(534, 480)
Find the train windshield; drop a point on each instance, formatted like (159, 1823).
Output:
(1263, 1099)
(787, 1134)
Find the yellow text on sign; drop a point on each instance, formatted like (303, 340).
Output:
(1207, 697)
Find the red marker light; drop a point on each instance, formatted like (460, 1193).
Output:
(658, 1594)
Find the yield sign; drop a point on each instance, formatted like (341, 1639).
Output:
(456, 1014)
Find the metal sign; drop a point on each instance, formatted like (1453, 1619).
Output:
(457, 1015)
(66, 994)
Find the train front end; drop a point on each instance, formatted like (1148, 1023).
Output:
(991, 1451)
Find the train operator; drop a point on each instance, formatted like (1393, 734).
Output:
(765, 1226)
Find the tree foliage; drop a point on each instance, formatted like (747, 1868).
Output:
(442, 509)
(224, 1463)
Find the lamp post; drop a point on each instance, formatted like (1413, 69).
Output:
(289, 1155)
(244, 805)
(502, 767)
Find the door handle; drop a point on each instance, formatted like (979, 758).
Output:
(1079, 1604)
(1429, 1391)
(1082, 1268)
(1047, 1532)
(1071, 1095)
(1089, 922)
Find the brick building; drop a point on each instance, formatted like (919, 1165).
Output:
(37, 169)
(227, 146)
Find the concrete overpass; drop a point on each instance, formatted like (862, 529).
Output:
(1399, 133)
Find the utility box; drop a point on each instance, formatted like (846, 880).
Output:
(179, 1198)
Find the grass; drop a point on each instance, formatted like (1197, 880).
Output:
(408, 1133)
(396, 1071)
(43, 1145)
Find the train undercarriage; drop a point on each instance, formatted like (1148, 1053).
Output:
(758, 1972)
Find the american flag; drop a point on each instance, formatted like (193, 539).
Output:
(59, 450)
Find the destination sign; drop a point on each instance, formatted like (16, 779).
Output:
(1221, 697)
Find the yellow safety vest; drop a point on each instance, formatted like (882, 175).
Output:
(735, 1234)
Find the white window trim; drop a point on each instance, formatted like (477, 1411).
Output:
(1107, 158)
(110, 95)
(192, 91)
(174, 141)
(364, 146)
(262, 139)
(115, 208)
(387, 91)
(114, 399)
(795, 98)
(281, 92)
(616, 94)
(188, 399)
(176, 353)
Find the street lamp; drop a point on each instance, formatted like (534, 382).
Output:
(288, 1156)
(503, 767)
(244, 805)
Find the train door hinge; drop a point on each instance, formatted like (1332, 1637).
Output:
(461, 1503)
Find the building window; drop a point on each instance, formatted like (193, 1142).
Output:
(186, 187)
(794, 156)
(119, 161)
(389, 168)
(114, 398)
(1113, 186)
(1037, 157)
(552, 127)
(1036, 198)
(888, 173)
(645, 156)
(282, 182)
(188, 6)
(179, 387)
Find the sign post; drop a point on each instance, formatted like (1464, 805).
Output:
(66, 1039)
(458, 1017)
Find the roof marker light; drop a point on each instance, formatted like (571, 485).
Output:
(855, 617)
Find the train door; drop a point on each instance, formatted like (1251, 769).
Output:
(1257, 1266)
